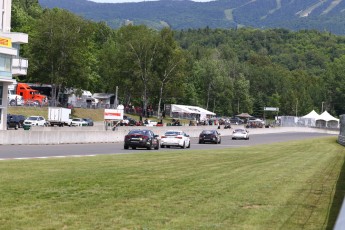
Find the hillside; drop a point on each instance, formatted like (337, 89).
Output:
(326, 15)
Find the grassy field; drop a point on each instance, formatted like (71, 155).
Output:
(292, 185)
(94, 114)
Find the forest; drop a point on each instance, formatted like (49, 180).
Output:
(227, 71)
(326, 15)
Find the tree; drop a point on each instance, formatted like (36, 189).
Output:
(61, 51)
(24, 13)
(242, 96)
(169, 62)
(335, 85)
(138, 50)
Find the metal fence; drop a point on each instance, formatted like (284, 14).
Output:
(292, 121)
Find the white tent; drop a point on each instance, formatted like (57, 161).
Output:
(312, 115)
(191, 111)
(327, 120)
(309, 119)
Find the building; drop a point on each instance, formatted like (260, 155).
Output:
(11, 64)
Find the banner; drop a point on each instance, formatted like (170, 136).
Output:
(271, 109)
(113, 114)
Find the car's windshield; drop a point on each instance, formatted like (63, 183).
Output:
(33, 118)
(172, 133)
(239, 130)
(207, 132)
(141, 132)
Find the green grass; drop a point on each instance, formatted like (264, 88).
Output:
(292, 185)
(94, 114)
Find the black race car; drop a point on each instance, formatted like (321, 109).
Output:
(211, 136)
(141, 139)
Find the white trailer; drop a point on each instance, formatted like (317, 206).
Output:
(13, 98)
(112, 117)
(59, 116)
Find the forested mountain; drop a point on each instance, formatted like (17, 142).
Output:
(227, 71)
(325, 15)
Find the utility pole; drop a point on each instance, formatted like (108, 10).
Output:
(322, 107)
(115, 102)
(238, 106)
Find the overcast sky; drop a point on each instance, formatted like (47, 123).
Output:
(121, 1)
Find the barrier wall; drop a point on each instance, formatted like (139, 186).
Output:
(98, 134)
(340, 223)
(341, 137)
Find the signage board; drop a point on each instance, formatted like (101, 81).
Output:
(271, 109)
(6, 42)
(113, 114)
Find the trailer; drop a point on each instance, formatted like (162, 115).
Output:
(59, 116)
(13, 98)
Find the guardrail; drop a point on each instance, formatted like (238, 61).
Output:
(98, 134)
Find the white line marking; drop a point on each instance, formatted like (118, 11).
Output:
(47, 157)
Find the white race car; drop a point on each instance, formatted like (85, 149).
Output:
(175, 138)
(240, 134)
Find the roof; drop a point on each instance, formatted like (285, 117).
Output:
(312, 115)
(102, 95)
(190, 109)
(327, 117)
(244, 115)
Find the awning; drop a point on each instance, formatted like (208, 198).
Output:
(244, 115)
(190, 110)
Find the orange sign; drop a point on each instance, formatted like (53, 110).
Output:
(5, 42)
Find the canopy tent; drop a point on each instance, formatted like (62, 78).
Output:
(312, 115)
(309, 119)
(244, 115)
(327, 120)
(191, 111)
(180, 109)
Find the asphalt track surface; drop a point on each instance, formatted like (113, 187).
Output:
(8, 152)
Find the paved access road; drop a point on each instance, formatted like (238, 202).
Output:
(8, 152)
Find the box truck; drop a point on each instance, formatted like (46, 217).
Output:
(59, 116)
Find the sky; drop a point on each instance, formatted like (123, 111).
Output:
(122, 1)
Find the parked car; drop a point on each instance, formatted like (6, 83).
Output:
(150, 123)
(175, 138)
(236, 120)
(128, 121)
(240, 134)
(212, 136)
(89, 121)
(132, 122)
(78, 122)
(35, 121)
(255, 123)
(15, 121)
(141, 139)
